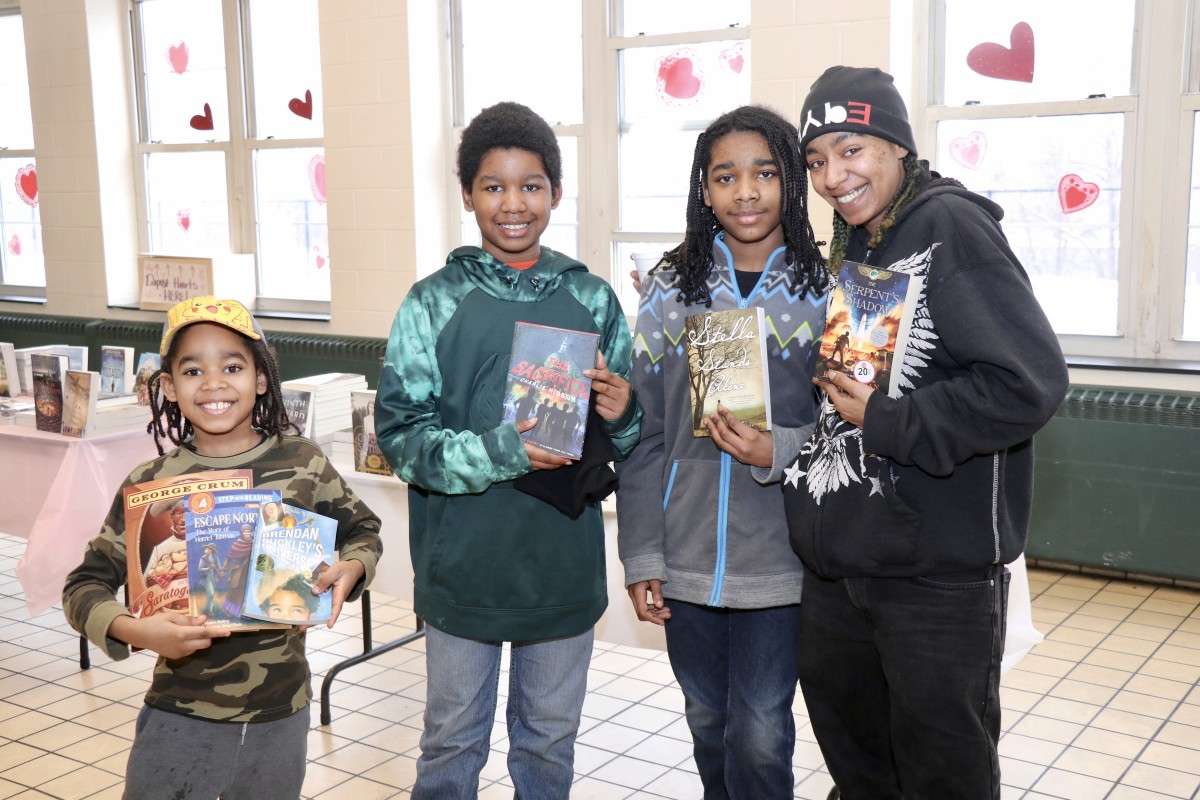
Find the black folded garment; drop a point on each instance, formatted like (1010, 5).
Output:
(589, 480)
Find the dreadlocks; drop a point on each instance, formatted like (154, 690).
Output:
(692, 259)
(915, 171)
(269, 416)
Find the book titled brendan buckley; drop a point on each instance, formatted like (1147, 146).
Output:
(868, 324)
(727, 365)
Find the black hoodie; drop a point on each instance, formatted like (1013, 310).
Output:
(940, 479)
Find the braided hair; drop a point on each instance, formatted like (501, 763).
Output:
(692, 258)
(269, 416)
(915, 171)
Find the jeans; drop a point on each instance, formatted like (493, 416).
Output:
(738, 670)
(547, 684)
(901, 677)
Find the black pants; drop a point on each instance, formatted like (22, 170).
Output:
(901, 677)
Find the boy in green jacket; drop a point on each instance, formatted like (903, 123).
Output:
(492, 562)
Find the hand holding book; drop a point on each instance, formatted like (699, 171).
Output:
(611, 390)
(848, 396)
(748, 445)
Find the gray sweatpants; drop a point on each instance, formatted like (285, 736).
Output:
(185, 758)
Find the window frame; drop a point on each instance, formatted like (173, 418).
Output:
(1159, 118)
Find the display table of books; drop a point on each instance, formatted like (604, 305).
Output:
(57, 491)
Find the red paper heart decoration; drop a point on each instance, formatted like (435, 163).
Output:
(302, 108)
(316, 177)
(184, 218)
(320, 259)
(177, 54)
(14, 245)
(678, 78)
(1012, 63)
(203, 122)
(1076, 194)
(27, 188)
(734, 58)
(969, 150)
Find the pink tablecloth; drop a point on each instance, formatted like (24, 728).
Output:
(56, 493)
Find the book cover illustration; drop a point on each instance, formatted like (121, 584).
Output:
(116, 369)
(10, 380)
(292, 547)
(868, 323)
(299, 405)
(148, 364)
(79, 402)
(219, 532)
(727, 365)
(367, 455)
(546, 381)
(49, 374)
(156, 537)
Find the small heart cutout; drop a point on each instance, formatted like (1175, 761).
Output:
(14, 245)
(203, 122)
(302, 108)
(183, 218)
(316, 177)
(678, 77)
(1012, 63)
(969, 150)
(177, 55)
(734, 58)
(1076, 194)
(27, 185)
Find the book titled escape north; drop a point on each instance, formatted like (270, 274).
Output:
(220, 528)
(727, 365)
(546, 381)
(290, 553)
(868, 324)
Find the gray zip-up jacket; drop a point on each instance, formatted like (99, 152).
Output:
(688, 514)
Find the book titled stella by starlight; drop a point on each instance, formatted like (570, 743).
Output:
(868, 324)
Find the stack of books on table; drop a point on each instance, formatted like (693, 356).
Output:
(329, 409)
(341, 450)
(111, 414)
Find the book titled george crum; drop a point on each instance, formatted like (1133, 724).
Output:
(49, 377)
(546, 381)
(156, 537)
(727, 365)
(79, 402)
(220, 529)
(291, 551)
(868, 324)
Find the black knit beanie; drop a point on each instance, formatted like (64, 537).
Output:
(856, 99)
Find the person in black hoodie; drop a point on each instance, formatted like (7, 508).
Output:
(905, 509)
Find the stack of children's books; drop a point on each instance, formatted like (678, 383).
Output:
(211, 544)
(329, 405)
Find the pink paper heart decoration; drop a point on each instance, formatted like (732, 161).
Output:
(184, 219)
(203, 122)
(316, 177)
(302, 108)
(27, 187)
(320, 259)
(1012, 63)
(678, 78)
(969, 150)
(734, 58)
(177, 54)
(1076, 194)
(14, 245)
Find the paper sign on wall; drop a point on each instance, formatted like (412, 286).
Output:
(166, 280)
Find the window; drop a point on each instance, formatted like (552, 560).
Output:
(1054, 111)
(22, 264)
(231, 128)
(628, 92)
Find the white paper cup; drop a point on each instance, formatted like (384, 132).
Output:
(644, 262)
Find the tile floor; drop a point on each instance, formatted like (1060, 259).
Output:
(1107, 707)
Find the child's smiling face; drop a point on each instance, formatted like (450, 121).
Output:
(511, 197)
(214, 381)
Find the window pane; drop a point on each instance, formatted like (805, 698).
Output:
(562, 234)
(677, 16)
(547, 35)
(293, 231)
(1191, 294)
(21, 260)
(1059, 182)
(655, 175)
(16, 122)
(187, 206)
(1025, 51)
(286, 67)
(184, 70)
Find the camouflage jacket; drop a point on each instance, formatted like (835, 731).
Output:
(247, 677)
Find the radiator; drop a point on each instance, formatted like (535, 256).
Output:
(1117, 483)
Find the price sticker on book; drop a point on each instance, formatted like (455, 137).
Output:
(864, 371)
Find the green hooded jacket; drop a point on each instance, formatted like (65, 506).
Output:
(491, 562)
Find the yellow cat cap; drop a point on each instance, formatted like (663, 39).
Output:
(230, 313)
